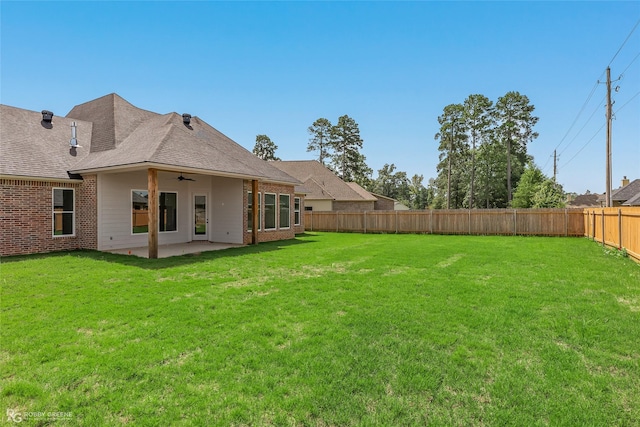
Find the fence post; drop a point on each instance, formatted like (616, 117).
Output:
(619, 228)
(364, 213)
(603, 227)
(515, 222)
(396, 222)
(337, 224)
(430, 221)
(566, 223)
(469, 221)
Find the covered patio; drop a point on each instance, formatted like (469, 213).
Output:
(176, 249)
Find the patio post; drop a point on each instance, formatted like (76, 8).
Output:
(152, 188)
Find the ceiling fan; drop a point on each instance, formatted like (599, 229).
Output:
(182, 178)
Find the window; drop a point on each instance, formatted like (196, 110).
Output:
(285, 208)
(167, 211)
(250, 211)
(308, 208)
(63, 212)
(269, 211)
(140, 211)
(296, 211)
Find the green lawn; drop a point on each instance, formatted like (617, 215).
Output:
(328, 329)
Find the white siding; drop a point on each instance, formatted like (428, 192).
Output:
(226, 210)
(224, 197)
(319, 205)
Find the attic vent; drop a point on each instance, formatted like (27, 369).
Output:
(186, 119)
(47, 116)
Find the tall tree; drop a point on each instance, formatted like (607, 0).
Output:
(320, 140)
(479, 120)
(515, 122)
(453, 150)
(528, 185)
(265, 148)
(549, 195)
(392, 184)
(346, 143)
(419, 197)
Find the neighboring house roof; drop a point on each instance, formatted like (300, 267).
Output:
(634, 201)
(627, 192)
(32, 148)
(321, 183)
(586, 200)
(117, 135)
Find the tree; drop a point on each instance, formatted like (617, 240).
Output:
(392, 184)
(528, 186)
(419, 196)
(453, 152)
(549, 195)
(320, 140)
(479, 121)
(346, 142)
(515, 123)
(265, 148)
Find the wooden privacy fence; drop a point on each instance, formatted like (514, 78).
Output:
(615, 227)
(539, 222)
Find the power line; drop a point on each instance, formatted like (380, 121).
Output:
(585, 145)
(632, 61)
(585, 125)
(626, 103)
(624, 42)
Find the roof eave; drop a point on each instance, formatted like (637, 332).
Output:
(174, 168)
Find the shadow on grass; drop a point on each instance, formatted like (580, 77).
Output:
(174, 261)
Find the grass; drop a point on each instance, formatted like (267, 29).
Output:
(327, 329)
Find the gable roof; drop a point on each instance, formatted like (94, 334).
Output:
(634, 201)
(321, 183)
(32, 148)
(584, 200)
(627, 192)
(117, 135)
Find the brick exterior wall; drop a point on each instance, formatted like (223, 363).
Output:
(277, 234)
(353, 206)
(26, 218)
(384, 204)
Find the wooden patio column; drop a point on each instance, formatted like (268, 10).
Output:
(152, 189)
(256, 209)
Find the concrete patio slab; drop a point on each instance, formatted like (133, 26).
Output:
(165, 251)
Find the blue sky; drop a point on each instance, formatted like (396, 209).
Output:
(272, 68)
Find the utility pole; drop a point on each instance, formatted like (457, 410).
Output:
(449, 171)
(608, 189)
(555, 166)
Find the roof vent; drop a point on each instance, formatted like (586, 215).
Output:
(47, 116)
(73, 142)
(186, 119)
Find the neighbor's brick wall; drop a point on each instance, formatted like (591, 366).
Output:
(384, 204)
(353, 206)
(26, 217)
(277, 234)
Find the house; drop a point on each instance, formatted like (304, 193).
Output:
(110, 175)
(628, 194)
(587, 200)
(325, 191)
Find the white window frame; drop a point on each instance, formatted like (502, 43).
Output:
(72, 212)
(297, 201)
(288, 196)
(276, 208)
